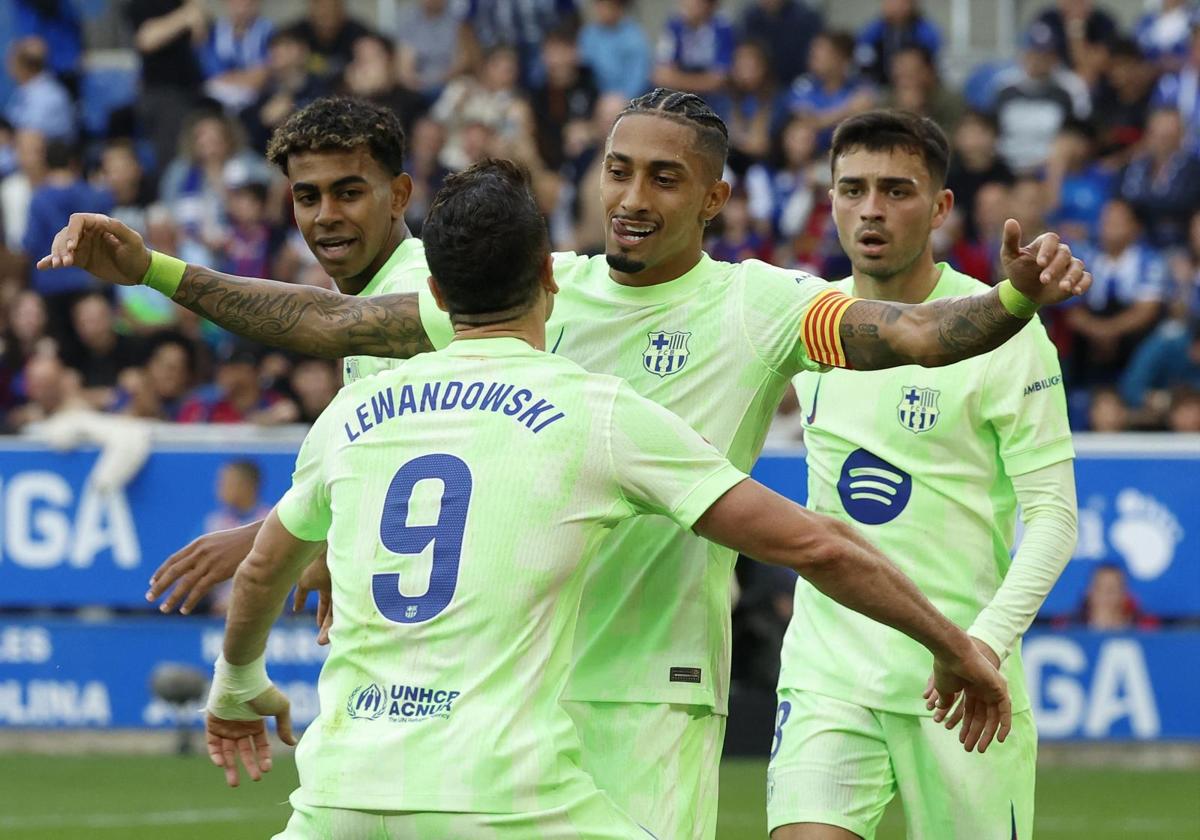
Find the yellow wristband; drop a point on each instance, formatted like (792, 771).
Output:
(164, 274)
(1013, 300)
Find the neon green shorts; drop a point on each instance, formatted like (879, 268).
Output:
(660, 762)
(840, 764)
(591, 817)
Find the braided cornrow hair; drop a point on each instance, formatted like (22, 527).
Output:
(687, 109)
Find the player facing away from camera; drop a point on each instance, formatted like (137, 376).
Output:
(949, 452)
(494, 469)
(717, 343)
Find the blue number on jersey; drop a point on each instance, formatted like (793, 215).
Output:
(446, 535)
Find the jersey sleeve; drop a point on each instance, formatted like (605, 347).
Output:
(661, 464)
(1024, 400)
(305, 509)
(792, 319)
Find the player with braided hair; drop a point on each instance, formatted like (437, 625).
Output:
(715, 342)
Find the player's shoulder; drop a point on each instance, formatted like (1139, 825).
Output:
(572, 269)
(762, 278)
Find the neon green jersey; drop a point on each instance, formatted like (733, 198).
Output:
(405, 271)
(919, 459)
(718, 347)
(463, 496)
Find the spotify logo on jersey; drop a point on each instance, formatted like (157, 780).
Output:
(872, 490)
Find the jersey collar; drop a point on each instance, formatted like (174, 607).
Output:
(499, 346)
(671, 290)
(404, 250)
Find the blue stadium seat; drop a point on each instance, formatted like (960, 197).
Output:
(102, 90)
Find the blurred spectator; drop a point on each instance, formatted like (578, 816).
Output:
(16, 190)
(1122, 100)
(695, 52)
(1181, 90)
(25, 335)
(564, 102)
(1030, 206)
(760, 620)
(974, 162)
(1124, 302)
(431, 46)
(916, 87)
(237, 396)
(755, 106)
(991, 208)
(330, 35)
(900, 26)
(1077, 185)
(1107, 413)
(314, 382)
(1168, 360)
(8, 155)
(1163, 34)
(830, 91)
(99, 353)
(289, 87)
(234, 60)
(371, 75)
(166, 34)
(615, 46)
(1077, 28)
(1109, 605)
(488, 104)
(40, 102)
(239, 502)
(1183, 415)
(786, 28)
(122, 176)
(57, 22)
(251, 242)
(193, 184)
(1036, 98)
(50, 387)
(61, 193)
(141, 310)
(591, 222)
(522, 25)
(158, 390)
(784, 194)
(1163, 183)
(737, 239)
(424, 168)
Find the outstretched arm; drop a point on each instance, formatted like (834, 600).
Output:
(881, 334)
(304, 319)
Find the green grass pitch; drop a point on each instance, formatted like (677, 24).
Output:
(106, 797)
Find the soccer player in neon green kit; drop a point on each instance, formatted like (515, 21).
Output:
(504, 466)
(932, 472)
(717, 343)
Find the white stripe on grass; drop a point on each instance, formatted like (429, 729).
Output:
(190, 816)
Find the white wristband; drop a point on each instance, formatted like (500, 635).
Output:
(234, 686)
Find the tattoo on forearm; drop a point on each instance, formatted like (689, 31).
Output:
(881, 334)
(305, 319)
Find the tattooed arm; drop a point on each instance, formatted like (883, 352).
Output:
(880, 334)
(305, 319)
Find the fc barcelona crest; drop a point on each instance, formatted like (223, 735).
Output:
(918, 409)
(666, 353)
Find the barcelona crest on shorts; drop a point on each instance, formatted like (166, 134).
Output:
(918, 409)
(666, 352)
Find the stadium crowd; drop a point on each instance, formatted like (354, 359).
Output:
(1090, 129)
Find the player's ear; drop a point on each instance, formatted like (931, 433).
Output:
(402, 187)
(436, 291)
(943, 203)
(715, 202)
(546, 276)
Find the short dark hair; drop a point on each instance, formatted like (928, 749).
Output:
(712, 136)
(840, 40)
(485, 239)
(885, 130)
(340, 124)
(249, 470)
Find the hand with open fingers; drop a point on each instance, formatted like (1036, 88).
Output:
(316, 577)
(102, 246)
(229, 740)
(1045, 270)
(985, 709)
(199, 566)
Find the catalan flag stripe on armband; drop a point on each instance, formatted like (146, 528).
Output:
(819, 329)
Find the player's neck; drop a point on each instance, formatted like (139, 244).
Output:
(354, 285)
(530, 327)
(664, 272)
(913, 285)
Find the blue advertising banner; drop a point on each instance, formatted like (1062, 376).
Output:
(62, 543)
(71, 673)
